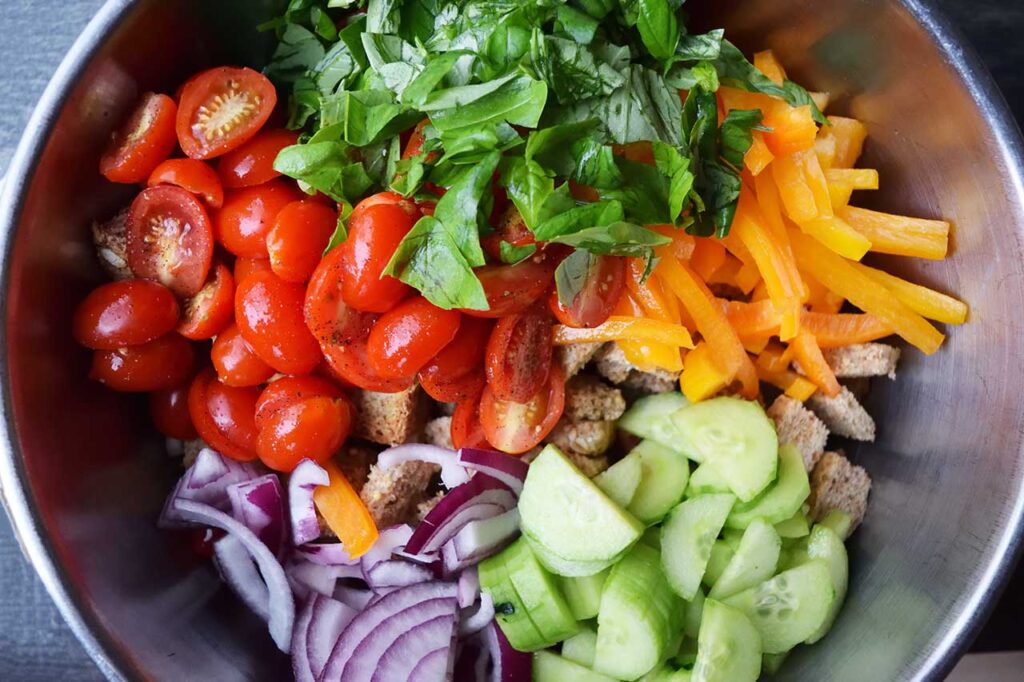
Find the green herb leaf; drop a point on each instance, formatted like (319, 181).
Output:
(658, 28)
(327, 167)
(735, 134)
(675, 166)
(572, 274)
(519, 102)
(734, 70)
(366, 116)
(577, 25)
(383, 16)
(617, 239)
(510, 255)
(701, 47)
(465, 207)
(298, 51)
(570, 69)
(432, 74)
(578, 219)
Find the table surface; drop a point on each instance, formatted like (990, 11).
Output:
(35, 644)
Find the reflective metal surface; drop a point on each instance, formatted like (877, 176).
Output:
(84, 478)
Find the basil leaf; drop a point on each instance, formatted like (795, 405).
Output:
(510, 255)
(575, 24)
(577, 219)
(570, 69)
(466, 205)
(676, 167)
(572, 274)
(366, 116)
(644, 108)
(520, 102)
(735, 134)
(644, 193)
(703, 47)
(463, 94)
(337, 68)
(409, 174)
(327, 167)
(617, 239)
(532, 190)
(551, 147)
(595, 165)
(598, 9)
(701, 74)
(658, 28)
(383, 16)
(340, 233)
(298, 51)
(734, 70)
(470, 144)
(432, 74)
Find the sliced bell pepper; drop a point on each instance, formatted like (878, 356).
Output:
(797, 198)
(791, 383)
(848, 136)
(758, 156)
(813, 363)
(839, 193)
(821, 99)
(767, 63)
(833, 330)
(708, 256)
(630, 328)
(683, 244)
(900, 235)
(859, 178)
(701, 377)
(816, 181)
(922, 300)
(345, 513)
(757, 318)
(645, 354)
(820, 299)
(837, 235)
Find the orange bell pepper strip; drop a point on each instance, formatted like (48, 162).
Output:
(922, 300)
(846, 136)
(858, 178)
(820, 299)
(837, 235)
(797, 197)
(726, 274)
(791, 383)
(774, 358)
(701, 377)
(900, 235)
(813, 363)
(766, 62)
(839, 276)
(646, 355)
(747, 277)
(629, 328)
(757, 318)
(683, 244)
(833, 330)
(345, 513)
(648, 293)
(793, 128)
(758, 156)
(708, 256)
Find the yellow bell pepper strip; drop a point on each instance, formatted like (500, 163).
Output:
(858, 178)
(757, 318)
(797, 198)
(755, 344)
(708, 256)
(820, 299)
(833, 330)
(837, 235)
(345, 513)
(838, 275)
(773, 368)
(747, 277)
(839, 193)
(646, 355)
(922, 300)
(811, 360)
(648, 293)
(758, 156)
(774, 358)
(770, 203)
(816, 181)
(900, 235)
(726, 274)
(701, 377)
(846, 136)
(629, 328)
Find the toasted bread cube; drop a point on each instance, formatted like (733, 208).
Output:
(589, 398)
(390, 418)
(393, 494)
(355, 460)
(588, 438)
(424, 507)
(613, 366)
(863, 360)
(838, 484)
(798, 426)
(575, 357)
(589, 466)
(843, 415)
(439, 432)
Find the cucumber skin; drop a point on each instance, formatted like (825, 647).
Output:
(550, 667)
(728, 647)
(537, 589)
(663, 480)
(511, 615)
(794, 527)
(687, 539)
(783, 499)
(565, 567)
(583, 594)
(840, 523)
(825, 545)
(704, 481)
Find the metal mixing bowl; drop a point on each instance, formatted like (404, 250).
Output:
(84, 477)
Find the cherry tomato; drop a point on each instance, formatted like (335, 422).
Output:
(268, 312)
(297, 241)
(253, 162)
(236, 362)
(457, 370)
(224, 416)
(515, 427)
(289, 391)
(466, 429)
(512, 289)
(165, 362)
(375, 228)
(189, 174)
(221, 109)
(595, 302)
(414, 145)
(146, 139)
(247, 215)
(169, 410)
(406, 337)
(313, 428)
(249, 266)
(455, 389)
(125, 313)
(519, 355)
(169, 239)
(210, 310)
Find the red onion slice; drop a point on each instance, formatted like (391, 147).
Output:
(509, 470)
(308, 476)
(507, 664)
(329, 618)
(433, 666)
(421, 654)
(259, 504)
(468, 587)
(481, 497)
(301, 669)
(479, 618)
(206, 481)
(388, 542)
(326, 554)
(353, 597)
(305, 576)
(452, 473)
(240, 573)
(478, 540)
(396, 573)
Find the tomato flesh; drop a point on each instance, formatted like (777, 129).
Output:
(511, 289)
(313, 428)
(298, 239)
(125, 313)
(224, 416)
(253, 162)
(146, 139)
(457, 370)
(600, 294)
(406, 337)
(162, 363)
(516, 427)
(236, 362)
(268, 312)
(519, 355)
(221, 109)
(169, 411)
(210, 311)
(375, 228)
(191, 175)
(466, 429)
(242, 223)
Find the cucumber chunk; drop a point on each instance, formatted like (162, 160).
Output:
(736, 438)
(666, 674)
(687, 654)
(694, 612)
(790, 607)
(664, 474)
(780, 501)
(771, 663)
(563, 511)
(825, 544)
(583, 594)
(539, 593)
(509, 611)
(721, 554)
(840, 523)
(638, 618)
(621, 480)
(568, 568)
(581, 648)
(651, 417)
(688, 537)
(704, 480)
(729, 646)
(754, 562)
(795, 526)
(550, 667)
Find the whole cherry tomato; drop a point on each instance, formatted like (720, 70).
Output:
(297, 241)
(406, 337)
(224, 416)
(146, 139)
(375, 228)
(210, 310)
(457, 370)
(466, 429)
(513, 288)
(314, 428)
(236, 362)
(248, 266)
(221, 109)
(515, 427)
(519, 355)
(268, 312)
(191, 175)
(601, 292)
(290, 390)
(253, 162)
(169, 410)
(162, 363)
(242, 223)
(124, 313)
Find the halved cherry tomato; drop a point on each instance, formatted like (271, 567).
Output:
(297, 241)
(249, 266)
(253, 162)
(165, 362)
(125, 313)
(146, 139)
(210, 311)
(221, 109)
(457, 370)
(268, 312)
(511, 289)
(224, 416)
(236, 362)
(515, 427)
(519, 355)
(313, 428)
(189, 174)
(466, 430)
(289, 391)
(414, 145)
(375, 228)
(169, 410)
(242, 223)
(595, 302)
(406, 337)
(170, 239)
(455, 389)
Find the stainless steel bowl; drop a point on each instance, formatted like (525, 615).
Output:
(84, 478)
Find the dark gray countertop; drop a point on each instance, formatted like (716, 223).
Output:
(35, 645)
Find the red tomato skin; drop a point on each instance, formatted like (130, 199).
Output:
(169, 239)
(466, 429)
(169, 411)
(163, 363)
(375, 228)
(511, 289)
(455, 389)
(297, 241)
(519, 354)
(314, 428)
(146, 139)
(191, 175)
(210, 311)
(289, 391)
(248, 266)
(224, 416)
(236, 362)
(597, 301)
(125, 313)
(242, 223)
(230, 84)
(406, 337)
(253, 162)
(268, 312)
(457, 370)
(518, 433)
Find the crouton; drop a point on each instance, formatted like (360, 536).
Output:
(863, 360)
(355, 460)
(575, 357)
(111, 245)
(838, 484)
(393, 494)
(511, 222)
(843, 415)
(439, 432)
(589, 466)
(424, 507)
(589, 438)
(799, 427)
(589, 398)
(613, 366)
(389, 418)
(191, 450)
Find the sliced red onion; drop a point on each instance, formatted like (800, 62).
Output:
(506, 664)
(478, 619)
(375, 631)
(281, 605)
(305, 576)
(433, 666)
(421, 654)
(468, 587)
(326, 554)
(301, 669)
(388, 541)
(478, 540)
(240, 573)
(329, 619)
(259, 504)
(353, 597)
(452, 473)
(509, 470)
(207, 481)
(396, 573)
(308, 476)
(481, 497)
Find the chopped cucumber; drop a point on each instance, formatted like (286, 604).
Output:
(754, 562)
(638, 617)
(790, 607)
(563, 511)
(550, 667)
(780, 501)
(666, 674)
(621, 480)
(706, 479)
(664, 474)
(687, 654)
(736, 438)
(652, 537)
(539, 593)
(729, 646)
(694, 611)
(771, 663)
(795, 526)
(509, 611)
(687, 538)
(732, 537)
(581, 647)
(583, 594)
(840, 523)
(721, 554)
(561, 566)
(651, 417)
(825, 544)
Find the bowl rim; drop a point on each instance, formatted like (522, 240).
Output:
(19, 502)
